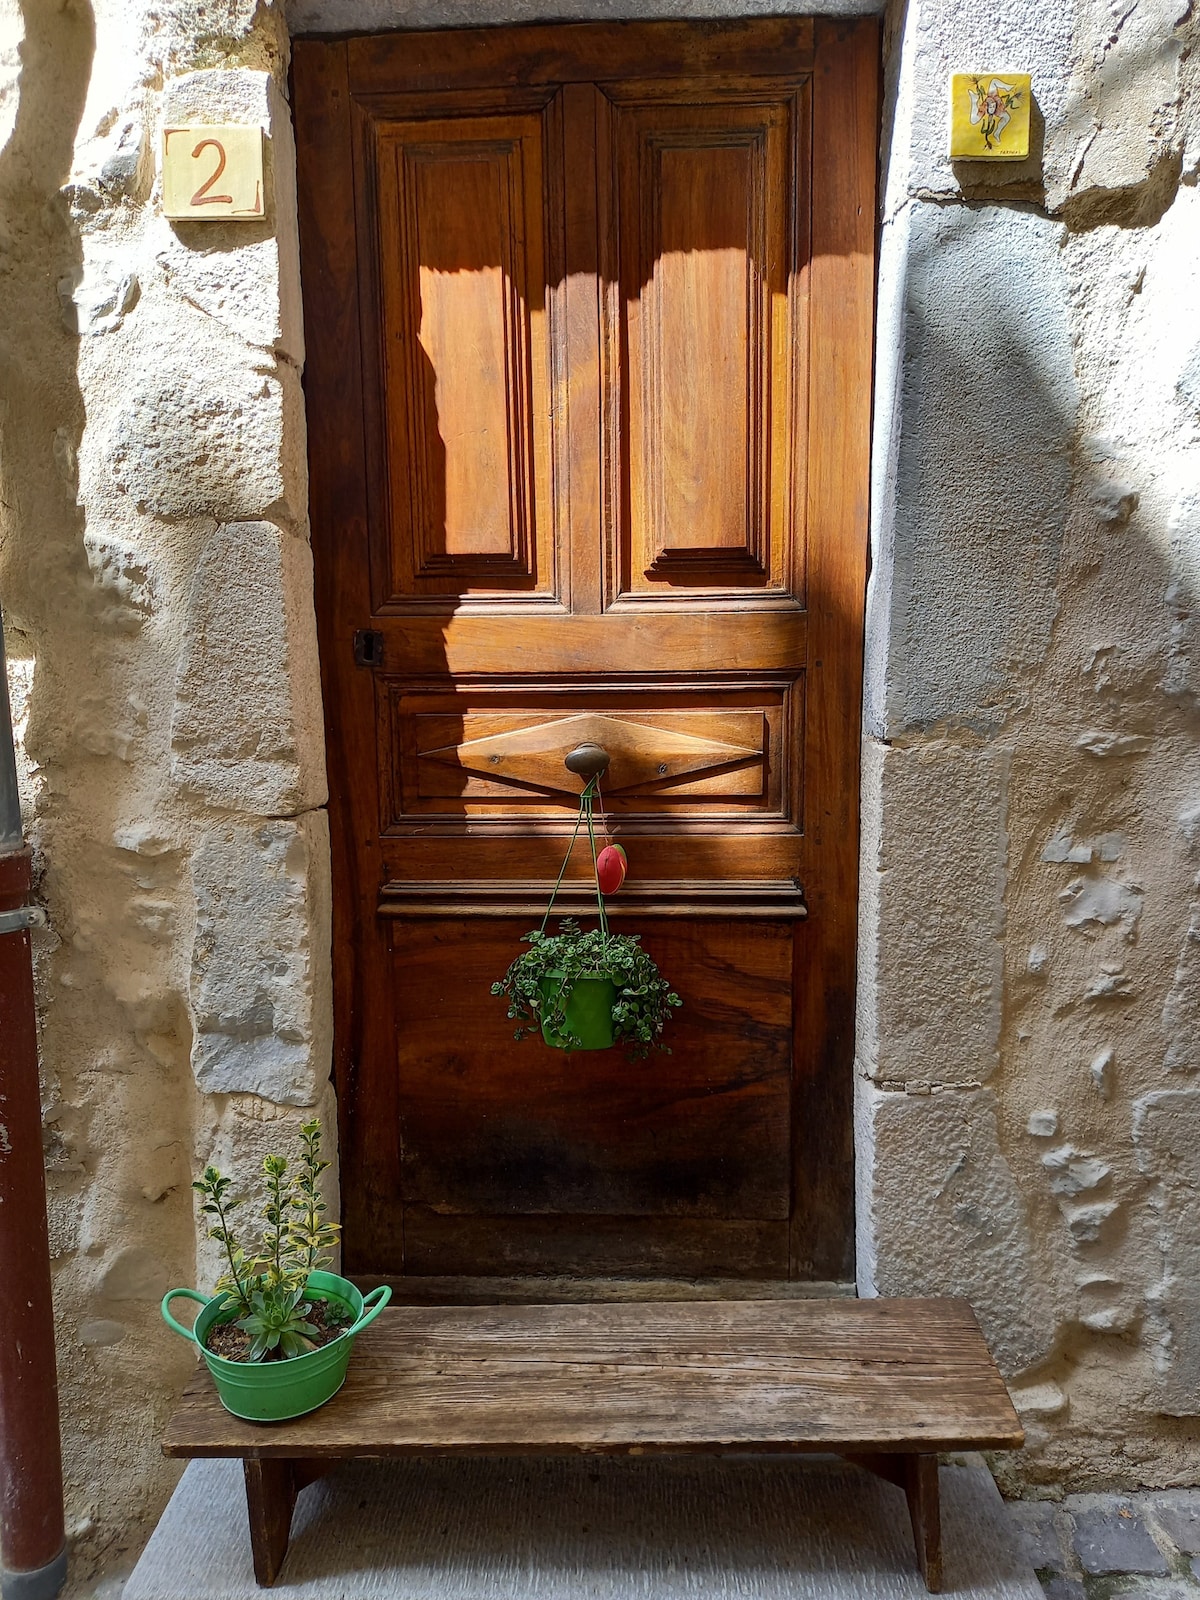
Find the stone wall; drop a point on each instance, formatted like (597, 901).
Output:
(1028, 1106)
(157, 584)
(1029, 1111)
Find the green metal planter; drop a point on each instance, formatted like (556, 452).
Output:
(273, 1391)
(588, 1012)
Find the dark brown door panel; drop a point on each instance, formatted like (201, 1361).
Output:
(588, 313)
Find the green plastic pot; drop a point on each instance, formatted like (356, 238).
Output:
(273, 1391)
(588, 1011)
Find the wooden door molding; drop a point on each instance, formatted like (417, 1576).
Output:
(841, 320)
(486, 59)
(647, 525)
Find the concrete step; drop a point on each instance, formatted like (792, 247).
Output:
(586, 1528)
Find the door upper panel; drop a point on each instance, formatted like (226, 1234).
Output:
(699, 264)
(707, 219)
(459, 278)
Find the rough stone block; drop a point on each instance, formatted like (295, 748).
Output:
(1132, 1587)
(1166, 1133)
(100, 1332)
(1036, 1522)
(247, 731)
(1060, 1587)
(207, 425)
(932, 918)
(1181, 1008)
(245, 275)
(1100, 902)
(260, 982)
(126, 166)
(134, 1274)
(186, 35)
(1127, 173)
(945, 1217)
(1177, 1513)
(973, 592)
(1106, 1305)
(1086, 1223)
(1044, 1399)
(1112, 1537)
(1072, 1172)
(98, 301)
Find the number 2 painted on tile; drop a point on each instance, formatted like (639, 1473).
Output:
(202, 196)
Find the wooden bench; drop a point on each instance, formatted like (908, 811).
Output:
(885, 1383)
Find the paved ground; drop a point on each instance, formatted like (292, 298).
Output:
(1087, 1547)
(1100, 1546)
(586, 1529)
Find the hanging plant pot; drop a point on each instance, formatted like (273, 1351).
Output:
(273, 1391)
(588, 989)
(587, 1011)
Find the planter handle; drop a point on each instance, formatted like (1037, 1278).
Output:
(373, 1304)
(187, 1294)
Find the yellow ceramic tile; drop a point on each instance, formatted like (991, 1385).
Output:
(213, 171)
(989, 116)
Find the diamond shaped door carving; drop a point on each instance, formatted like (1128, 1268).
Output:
(642, 754)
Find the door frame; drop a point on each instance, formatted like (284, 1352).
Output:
(845, 88)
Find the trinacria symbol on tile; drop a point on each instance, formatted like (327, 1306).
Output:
(989, 116)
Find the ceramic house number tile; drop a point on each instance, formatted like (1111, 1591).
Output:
(989, 116)
(213, 171)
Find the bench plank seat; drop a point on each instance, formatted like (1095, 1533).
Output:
(888, 1383)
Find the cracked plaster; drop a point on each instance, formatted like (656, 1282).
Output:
(1035, 477)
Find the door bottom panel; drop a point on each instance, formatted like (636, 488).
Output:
(582, 1247)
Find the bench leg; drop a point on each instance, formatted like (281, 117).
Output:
(924, 1507)
(271, 1490)
(917, 1475)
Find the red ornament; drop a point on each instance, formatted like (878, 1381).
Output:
(611, 865)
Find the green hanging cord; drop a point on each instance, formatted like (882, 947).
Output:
(563, 868)
(603, 816)
(592, 841)
(608, 840)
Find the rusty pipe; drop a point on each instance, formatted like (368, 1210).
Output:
(33, 1549)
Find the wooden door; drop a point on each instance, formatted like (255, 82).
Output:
(588, 313)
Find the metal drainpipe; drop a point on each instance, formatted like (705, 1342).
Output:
(32, 1535)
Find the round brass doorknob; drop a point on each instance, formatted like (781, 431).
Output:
(588, 761)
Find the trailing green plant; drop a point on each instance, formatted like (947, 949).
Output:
(266, 1283)
(538, 984)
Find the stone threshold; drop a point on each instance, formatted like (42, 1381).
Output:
(587, 1528)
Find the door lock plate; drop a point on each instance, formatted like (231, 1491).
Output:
(368, 648)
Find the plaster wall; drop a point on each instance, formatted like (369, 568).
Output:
(1029, 1111)
(157, 584)
(1028, 1105)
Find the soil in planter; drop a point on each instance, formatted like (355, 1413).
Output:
(228, 1340)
